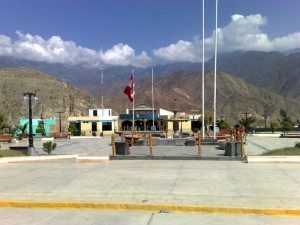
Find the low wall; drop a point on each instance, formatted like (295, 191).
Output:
(166, 142)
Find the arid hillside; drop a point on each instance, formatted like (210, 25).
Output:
(53, 95)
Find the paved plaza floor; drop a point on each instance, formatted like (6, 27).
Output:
(147, 187)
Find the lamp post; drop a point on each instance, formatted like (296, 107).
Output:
(247, 114)
(193, 122)
(30, 96)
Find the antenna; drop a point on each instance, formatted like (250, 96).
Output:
(101, 80)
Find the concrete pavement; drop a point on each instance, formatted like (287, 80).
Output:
(226, 187)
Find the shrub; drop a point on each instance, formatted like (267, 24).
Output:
(72, 128)
(48, 147)
(94, 133)
(297, 145)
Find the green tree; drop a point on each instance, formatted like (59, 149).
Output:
(48, 147)
(41, 129)
(12, 130)
(274, 126)
(22, 128)
(246, 123)
(207, 121)
(222, 124)
(3, 123)
(72, 128)
(285, 122)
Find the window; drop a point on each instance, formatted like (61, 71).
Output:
(106, 126)
(94, 112)
(94, 126)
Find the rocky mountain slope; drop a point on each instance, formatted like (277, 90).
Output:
(275, 71)
(270, 70)
(53, 95)
(234, 97)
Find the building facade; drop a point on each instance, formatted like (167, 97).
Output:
(49, 125)
(99, 122)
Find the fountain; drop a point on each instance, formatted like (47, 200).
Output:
(176, 121)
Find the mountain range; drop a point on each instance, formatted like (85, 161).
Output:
(261, 83)
(52, 95)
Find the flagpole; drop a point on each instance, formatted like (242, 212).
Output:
(152, 100)
(203, 127)
(133, 99)
(215, 75)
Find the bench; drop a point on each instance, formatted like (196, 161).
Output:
(22, 149)
(61, 135)
(5, 138)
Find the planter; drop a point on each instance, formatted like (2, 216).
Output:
(122, 148)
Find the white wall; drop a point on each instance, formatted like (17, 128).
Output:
(105, 112)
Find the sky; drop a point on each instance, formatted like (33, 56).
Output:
(142, 33)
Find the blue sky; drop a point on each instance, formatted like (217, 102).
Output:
(142, 32)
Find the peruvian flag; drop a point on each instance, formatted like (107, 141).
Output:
(129, 90)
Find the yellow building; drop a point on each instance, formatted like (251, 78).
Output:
(99, 122)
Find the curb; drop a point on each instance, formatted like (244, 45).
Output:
(273, 159)
(78, 158)
(151, 208)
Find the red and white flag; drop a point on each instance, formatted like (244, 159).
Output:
(129, 90)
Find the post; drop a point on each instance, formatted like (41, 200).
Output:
(139, 133)
(30, 123)
(150, 145)
(199, 145)
(132, 140)
(231, 135)
(31, 149)
(59, 113)
(193, 123)
(113, 144)
(242, 146)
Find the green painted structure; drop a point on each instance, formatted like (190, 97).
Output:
(48, 122)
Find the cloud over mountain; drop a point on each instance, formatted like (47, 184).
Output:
(56, 50)
(242, 33)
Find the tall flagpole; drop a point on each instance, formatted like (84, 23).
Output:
(133, 93)
(203, 127)
(215, 75)
(152, 100)
(101, 78)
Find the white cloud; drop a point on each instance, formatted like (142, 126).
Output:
(242, 33)
(56, 50)
(124, 55)
(181, 51)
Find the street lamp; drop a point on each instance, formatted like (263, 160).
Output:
(193, 122)
(30, 96)
(247, 114)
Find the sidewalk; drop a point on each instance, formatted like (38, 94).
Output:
(226, 187)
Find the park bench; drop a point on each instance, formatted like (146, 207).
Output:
(61, 135)
(5, 138)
